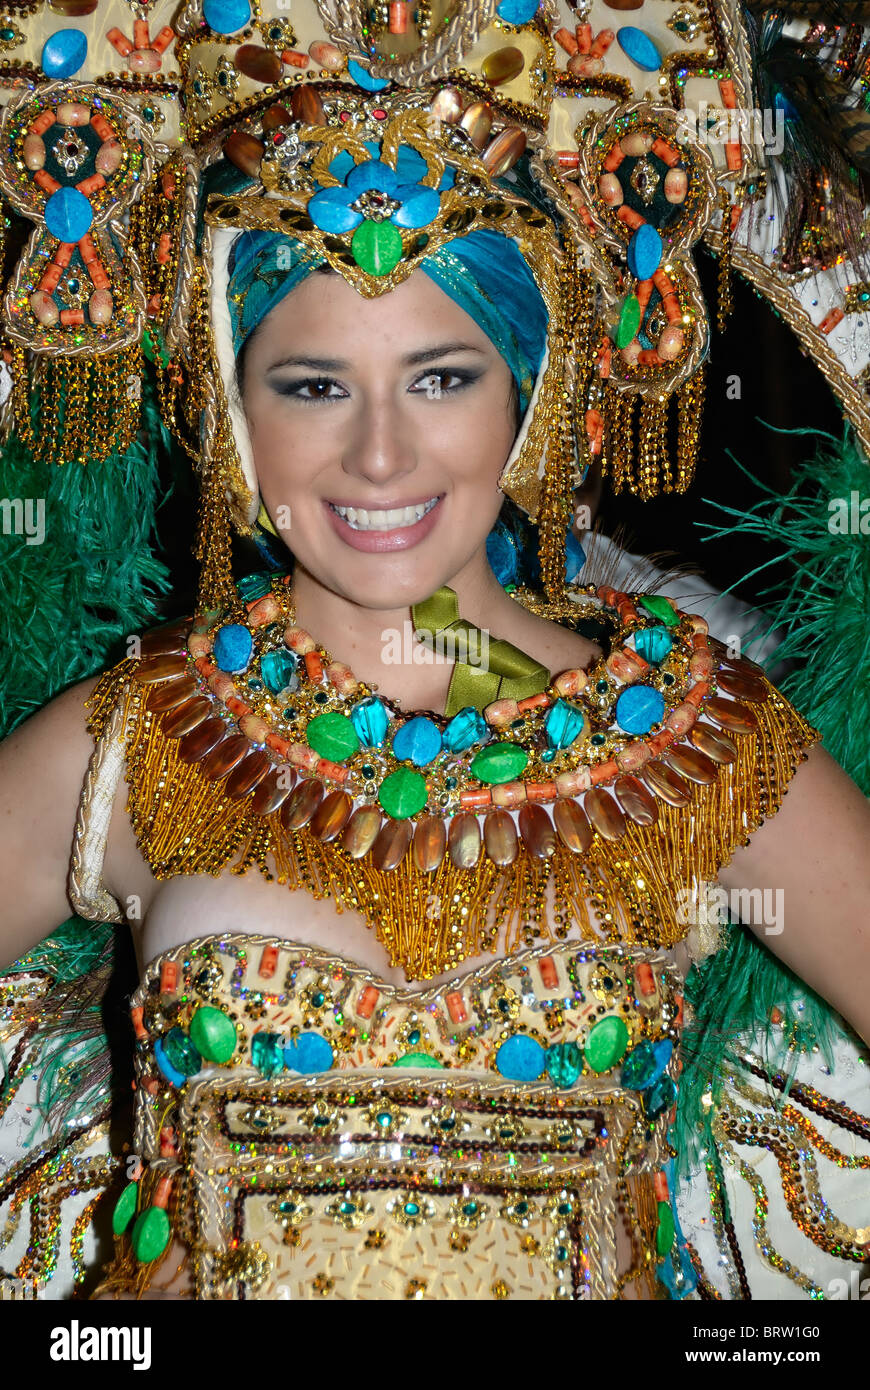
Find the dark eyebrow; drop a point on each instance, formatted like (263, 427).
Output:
(413, 359)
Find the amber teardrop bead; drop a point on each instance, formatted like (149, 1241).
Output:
(163, 642)
(276, 115)
(536, 828)
(258, 63)
(164, 697)
(604, 814)
(503, 152)
(245, 151)
(224, 757)
(500, 837)
(714, 743)
(249, 773)
(463, 840)
(391, 846)
(306, 106)
(331, 816)
(573, 826)
(741, 686)
(477, 122)
(430, 843)
(636, 801)
(667, 784)
(272, 792)
(161, 668)
(503, 65)
(361, 831)
(301, 804)
(730, 715)
(183, 718)
(691, 763)
(201, 740)
(447, 105)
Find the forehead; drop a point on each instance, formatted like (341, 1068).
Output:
(326, 309)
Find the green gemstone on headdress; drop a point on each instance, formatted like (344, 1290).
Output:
(660, 608)
(629, 321)
(377, 247)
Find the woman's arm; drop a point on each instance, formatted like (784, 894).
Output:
(813, 860)
(42, 768)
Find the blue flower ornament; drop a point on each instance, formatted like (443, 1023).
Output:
(376, 202)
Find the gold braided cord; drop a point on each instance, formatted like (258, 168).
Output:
(429, 923)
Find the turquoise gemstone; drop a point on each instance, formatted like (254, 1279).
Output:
(465, 728)
(63, 53)
(68, 214)
(278, 670)
(363, 78)
(181, 1053)
(233, 647)
(172, 1074)
(564, 723)
(639, 708)
(564, 1063)
(644, 252)
(639, 47)
(371, 721)
(517, 11)
(226, 16)
(660, 1097)
(521, 1059)
(418, 741)
(308, 1053)
(267, 1053)
(420, 206)
(411, 1209)
(330, 210)
(653, 643)
(253, 586)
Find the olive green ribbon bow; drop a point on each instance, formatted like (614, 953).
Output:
(498, 670)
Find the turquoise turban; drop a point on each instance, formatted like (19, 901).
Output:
(484, 272)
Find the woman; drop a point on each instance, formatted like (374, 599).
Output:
(454, 1053)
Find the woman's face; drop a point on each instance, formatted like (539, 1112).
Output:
(379, 429)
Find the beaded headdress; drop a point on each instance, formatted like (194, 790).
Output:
(137, 142)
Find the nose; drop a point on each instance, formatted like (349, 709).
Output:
(380, 446)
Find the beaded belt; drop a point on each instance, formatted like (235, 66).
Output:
(313, 1131)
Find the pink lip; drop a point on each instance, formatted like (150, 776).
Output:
(380, 542)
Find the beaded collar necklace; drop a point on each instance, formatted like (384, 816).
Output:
(251, 745)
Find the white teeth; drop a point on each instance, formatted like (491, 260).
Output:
(362, 520)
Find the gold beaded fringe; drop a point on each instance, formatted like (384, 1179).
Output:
(643, 466)
(429, 923)
(88, 406)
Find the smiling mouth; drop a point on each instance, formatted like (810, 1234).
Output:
(397, 519)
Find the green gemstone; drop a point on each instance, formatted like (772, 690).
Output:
(150, 1234)
(414, 1037)
(347, 1208)
(377, 247)
(417, 1059)
(606, 1044)
(598, 739)
(318, 999)
(125, 1208)
(629, 321)
(213, 1034)
(367, 770)
(332, 736)
(267, 1053)
(469, 1209)
(7, 35)
(180, 1052)
(665, 1232)
(499, 762)
(403, 793)
(451, 783)
(660, 608)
